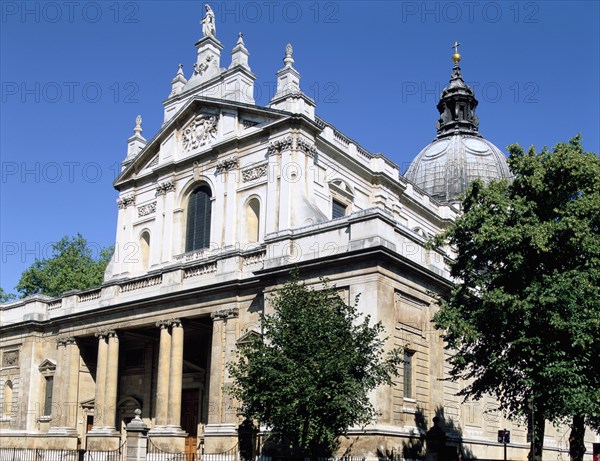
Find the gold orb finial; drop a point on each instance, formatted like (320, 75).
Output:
(456, 56)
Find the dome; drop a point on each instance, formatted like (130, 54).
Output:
(444, 168)
(458, 154)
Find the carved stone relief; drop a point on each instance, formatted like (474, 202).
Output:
(10, 359)
(200, 132)
(147, 209)
(255, 172)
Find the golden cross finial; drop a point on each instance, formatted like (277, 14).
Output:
(456, 55)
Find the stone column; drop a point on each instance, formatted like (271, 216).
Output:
(112, 381)
(230, 337)
(99, 406)
(162, 382)
(57, 404)
(71, 402)
(216, 366)
(221, 431)
(175, 374)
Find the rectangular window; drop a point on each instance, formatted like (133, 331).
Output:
(408, 372)
(48, 396)
(338, 209)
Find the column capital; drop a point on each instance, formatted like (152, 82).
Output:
(105, 334)
(61, 342)
(111, 334)
(162, 324)
(175, 323)
(70, 340)
(225, 314)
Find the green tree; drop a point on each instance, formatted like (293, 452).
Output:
(71, 267)
(309, 375)
(6, 297)
(523, 321)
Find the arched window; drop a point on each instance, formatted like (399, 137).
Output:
(198, 219)
(252, 220)
(8, 398)
(145, 249)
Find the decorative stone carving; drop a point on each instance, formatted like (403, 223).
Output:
(200, 132)
(250, 174)
(225, 314)
(164, 187)
(279, 146)
(153, 162)
(305, 147)
(10, 359)
(249, 123)
(223, 166)
(125, 201)
(147, 209)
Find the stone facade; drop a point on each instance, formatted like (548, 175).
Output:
(281, 188)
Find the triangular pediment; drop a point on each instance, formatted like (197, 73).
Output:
(47, 365)
(199, 126)
(248, 337)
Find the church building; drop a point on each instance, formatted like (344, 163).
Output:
(214, 211)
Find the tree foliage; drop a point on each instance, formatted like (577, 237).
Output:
(309, 375)
(523, 321)
(72, 266)
(6, 297)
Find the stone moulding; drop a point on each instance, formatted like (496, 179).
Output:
(146, 210)
(254, 172)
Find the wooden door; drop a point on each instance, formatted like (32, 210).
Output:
(190, 401)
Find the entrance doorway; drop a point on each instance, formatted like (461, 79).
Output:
(190, 403)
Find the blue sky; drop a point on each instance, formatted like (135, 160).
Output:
(75, 75)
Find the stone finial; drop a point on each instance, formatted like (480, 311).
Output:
(137, 414)
(240, 40)
(138, 126)
(288, 60)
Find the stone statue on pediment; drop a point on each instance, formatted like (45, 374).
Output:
(209, 28)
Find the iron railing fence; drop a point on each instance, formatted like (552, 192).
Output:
(39, 454)
(155, 453)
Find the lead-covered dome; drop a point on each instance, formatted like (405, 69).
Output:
(458, 154)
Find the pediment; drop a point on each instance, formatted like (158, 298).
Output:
(248, 337)
(47, 365)
(197, 127)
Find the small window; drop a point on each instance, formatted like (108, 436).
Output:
(198, 219)
(48, 395)
(408, 374)
(338, 209)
